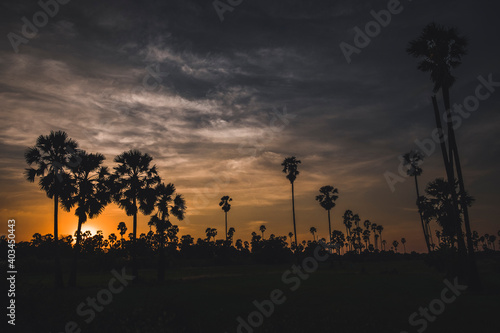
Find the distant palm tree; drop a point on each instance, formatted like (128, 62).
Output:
(226, 206)
(123, 229)
(380, 228)
(492, 239)
(384, 242)
(91, 195)
(134, 189)
(395, 244)
(347, 219)
(211, 232)
(167, 203)
(403, 241)
(373, 227)
(52, 154)
(262, 229)
(313, 232)
(326, 199)
(290, 167)
(230, 234)
(413, 159)
(290, 234)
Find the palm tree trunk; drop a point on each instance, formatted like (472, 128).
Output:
(473, 271)
(293, 212)
(449, 168)
(76, 251)
(225, 213)
(57, 269)
(135, 269)
(426, 236)
(329, 226)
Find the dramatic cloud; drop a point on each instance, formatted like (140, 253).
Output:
(220, 104)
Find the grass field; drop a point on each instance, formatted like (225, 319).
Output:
(354, 297)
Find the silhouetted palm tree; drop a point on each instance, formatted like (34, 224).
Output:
(167, 203)
(442, 50)
(492, 239)
(395, 244)
(439, 206)
(262, 229)
(375, 236)
(211, 232)
(413, 160)
(403, 241)
(313, 232)
(123, 229)
(347, 219)
(226, 206)
(230, 235)
(290, 167)
(134, 189)
(91, 195)
(326, 199)
(51, 156)
(380, 228)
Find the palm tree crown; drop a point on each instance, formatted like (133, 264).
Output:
(290, 167)
(441, 49)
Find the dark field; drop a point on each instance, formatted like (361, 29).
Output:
(347, 297)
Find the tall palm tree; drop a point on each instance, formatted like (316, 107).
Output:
(91, 195)
(290, 167)
(134, 183)
(442, 50)
(167, 203)
(327, 197)
(313, 231)
(226, 206)
(52, 155)
(413, 160)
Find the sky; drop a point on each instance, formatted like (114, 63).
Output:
(220, 103)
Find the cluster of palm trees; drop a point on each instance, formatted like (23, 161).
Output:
(440, 49)
(74, 178)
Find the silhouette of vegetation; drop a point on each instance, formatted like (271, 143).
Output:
(226, 206)
(327, 197)
(290, 167)
(440, 49)
(52, 156)
(134, 184)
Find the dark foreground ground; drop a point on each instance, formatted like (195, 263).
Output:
(354, 297)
